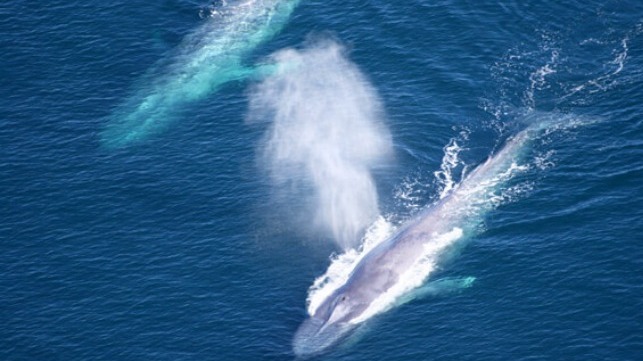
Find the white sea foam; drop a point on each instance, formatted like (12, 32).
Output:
(451, 162)
(537, 79)
(607, 80)
(409, 193)
(412, 192)
(342, 265)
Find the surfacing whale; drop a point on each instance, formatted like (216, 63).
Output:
(209, 57)
(431, 233)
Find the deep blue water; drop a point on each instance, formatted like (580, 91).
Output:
(174, 248)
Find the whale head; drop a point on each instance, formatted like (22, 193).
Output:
(331, 322)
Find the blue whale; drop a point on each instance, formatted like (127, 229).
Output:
(208, 58)
(384, 266)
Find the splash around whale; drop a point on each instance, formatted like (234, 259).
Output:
(384, 275)
(209, 57)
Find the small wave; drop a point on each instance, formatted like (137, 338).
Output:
(412, 192)
(614, 67)
(538, 79)
(451, 162)
(556, 73)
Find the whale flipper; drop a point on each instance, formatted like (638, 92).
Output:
(440, 287)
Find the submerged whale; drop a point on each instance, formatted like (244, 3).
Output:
(435, 229)
(207, 58)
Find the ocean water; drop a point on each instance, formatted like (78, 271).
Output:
(201, 238)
